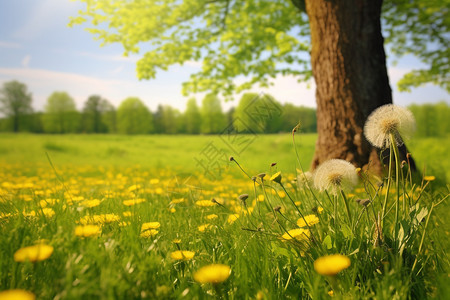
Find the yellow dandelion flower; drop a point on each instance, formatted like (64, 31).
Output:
(334, 175)
(429, 178)
(310, 220)
(212, 216)
(17, 295)
(134, 187)
(176, 241)
(260, 198)
(133, 202)
(177, 201)
(232, 218)
(48, 212)
(389, 120)
(215, 273)
(154, 181)
(90, 203)
(202, 228)
(182, 255)
(172, 210)
(204, 203)
(149, 233)
(297, 234)
(123, 224)
(87, 230)
(33, 253)
(150, 225)
(127, 214)
(330, 265)
(276, 177)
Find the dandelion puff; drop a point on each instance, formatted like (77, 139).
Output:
(334, 175)
(386, 120)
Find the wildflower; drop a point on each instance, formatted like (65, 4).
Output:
(212, 216)
(334, 175)
(133, 202)
(17, 295)
(261, 175)
(150, 225)
(182, 255)
(298, 234)
(202, 228)
(389, 120)
(204, 203)
(214, 273)
(232, 218)
(176, 241)
(90, 203)
(33, 253)
(48, 212)
(276, 177)
(87, 230)
(177, 201)
(330, 265)
(310, 220)
(149, 233)
(429, 178)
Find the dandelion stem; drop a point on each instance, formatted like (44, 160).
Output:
(347, 208)
(388, 186)
(397, 185)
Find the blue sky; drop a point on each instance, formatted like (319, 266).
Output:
(39, 49)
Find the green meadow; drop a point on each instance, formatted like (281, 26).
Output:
(137, 217)
(180, 151)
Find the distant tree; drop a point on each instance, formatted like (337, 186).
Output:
(167, 118)
(192, 117)
(61, 115)
(133, 117)
(213, 119)
(293, 115)
(257, 113)
(15, 102)
(94, 112)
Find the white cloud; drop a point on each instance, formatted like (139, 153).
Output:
(26, 61)
(4, 44)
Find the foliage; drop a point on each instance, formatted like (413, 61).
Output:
(61, 115)
(192, 117)
(420, 28)
(98, 115)
(255, 40)
(15, 102)
(257, 113)
(213, 119)
(133, 117)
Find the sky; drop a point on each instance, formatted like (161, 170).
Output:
(39, 49)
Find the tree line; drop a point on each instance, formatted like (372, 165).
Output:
(255, 113)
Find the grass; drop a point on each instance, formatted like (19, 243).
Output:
(95, 178)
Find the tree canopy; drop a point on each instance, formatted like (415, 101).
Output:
(241, 43)
(15, 101)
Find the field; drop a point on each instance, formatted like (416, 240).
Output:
(131, 217)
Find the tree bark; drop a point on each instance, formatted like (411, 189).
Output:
(349, 68)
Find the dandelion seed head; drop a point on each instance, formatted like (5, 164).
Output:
(386, 120)
(334, 175)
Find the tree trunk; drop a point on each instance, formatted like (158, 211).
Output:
(349, 68)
